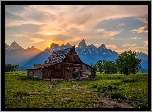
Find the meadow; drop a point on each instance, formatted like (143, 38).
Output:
(106, 91)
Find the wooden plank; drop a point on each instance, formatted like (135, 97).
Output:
(71, 64)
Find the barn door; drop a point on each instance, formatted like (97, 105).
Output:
(66, 73)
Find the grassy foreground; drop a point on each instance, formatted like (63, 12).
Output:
(24, 92)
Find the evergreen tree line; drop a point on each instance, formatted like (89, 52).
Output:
(11, 68)
(126, 63)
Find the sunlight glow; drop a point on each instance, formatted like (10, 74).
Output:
(49, 45)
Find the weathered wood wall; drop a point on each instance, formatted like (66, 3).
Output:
(72, 57)
(46, 74)
(87, 72)
(72, 73)
(35, 73)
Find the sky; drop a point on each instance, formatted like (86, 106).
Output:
(119, 27)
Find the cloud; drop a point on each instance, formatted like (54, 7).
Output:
(96, 44)
(100, 30)
(143, 29)
(106, 33)
(126, 45)
(23, 35)
(136, 49)
(9, 15)
(144, 20)
(122, 24)
(135, 38)
(20, 35)
(78, 16)
(111, 47)
(35, 40)
(58, 19)
(70, 23)
(145, 42)
(13, 23)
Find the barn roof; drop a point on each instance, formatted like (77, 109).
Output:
(38, 67)
(89, 66)
(57, 56)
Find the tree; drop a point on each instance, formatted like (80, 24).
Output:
(109, 67)
(100, 65)
(8, 67)
(127, 62)
(11, 68)
(95, 66)
(91, 64)
(16, 67)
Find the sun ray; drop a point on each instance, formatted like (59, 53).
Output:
(49, 45)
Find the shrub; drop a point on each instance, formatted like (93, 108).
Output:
(111, 87)
(94, 86)
(117, 95)
(143, 105)
(129, 80)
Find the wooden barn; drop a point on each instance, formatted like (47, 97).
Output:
(63, 64)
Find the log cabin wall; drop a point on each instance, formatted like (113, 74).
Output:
(71, 66)
(72, 73)
(72, 57)
(46, 74)
(87, 72)
(35, 73)
(56, 72)
(93, 73)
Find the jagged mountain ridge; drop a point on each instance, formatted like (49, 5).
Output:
(91, 54)
(88, 54)
(43, 56)
(15, 54)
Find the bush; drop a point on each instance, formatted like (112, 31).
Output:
(117, 95)
(111, 87)
(98, 87)
(143, 105)
(94, 86)
(103, 88)
(129, 80)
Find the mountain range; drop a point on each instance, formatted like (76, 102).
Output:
(15, 54)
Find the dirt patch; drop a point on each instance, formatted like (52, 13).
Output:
(108, 103)
(21, 94)
(95, 105)
(88, 91)
(65, 99)
(64, 89)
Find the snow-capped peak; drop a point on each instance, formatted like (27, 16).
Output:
(82, 44)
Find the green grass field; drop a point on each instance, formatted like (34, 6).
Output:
(24, 92)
